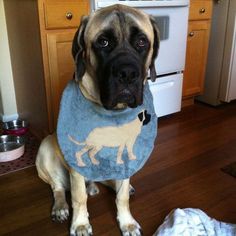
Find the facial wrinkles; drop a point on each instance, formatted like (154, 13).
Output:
(122, 22)
(97, 24)
(93, 29)
(143, 22)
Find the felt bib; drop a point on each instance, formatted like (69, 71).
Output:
(105, 144)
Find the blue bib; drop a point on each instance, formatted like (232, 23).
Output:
(105, 144)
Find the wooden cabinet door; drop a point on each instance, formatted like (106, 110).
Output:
(61, 67)
(196, 57)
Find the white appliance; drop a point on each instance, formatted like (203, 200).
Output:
(220, 79)
(172, 20)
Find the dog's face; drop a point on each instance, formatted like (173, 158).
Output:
(116, 46)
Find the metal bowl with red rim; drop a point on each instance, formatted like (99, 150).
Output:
(15, 127)
(11, 147)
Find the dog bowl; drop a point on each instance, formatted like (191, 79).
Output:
(15, 127)
(11, 147)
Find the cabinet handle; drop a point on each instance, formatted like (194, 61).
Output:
(191, 34)
(202, 10)
(69, 15)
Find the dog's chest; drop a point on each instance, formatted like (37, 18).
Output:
(102, 144)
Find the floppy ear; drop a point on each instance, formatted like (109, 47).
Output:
(78, 49)
(156, 44)
(140, 116)
(147, 118)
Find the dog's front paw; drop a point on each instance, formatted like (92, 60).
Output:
(60, 212)
(132, 157)
(81, 230)
(131, 190)
(120, 162)
(92, 189)
(130, 229)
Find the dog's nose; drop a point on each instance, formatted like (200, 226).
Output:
(127, 74)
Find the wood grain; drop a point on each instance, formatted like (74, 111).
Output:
(56, 34)
(195, 9)
(196, 57)
(183, 171)
(61, 66)
(197, 47)
(55, 13)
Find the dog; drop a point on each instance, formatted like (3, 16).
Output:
(93, 143)
(114, 48)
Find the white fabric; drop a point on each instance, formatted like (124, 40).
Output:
(193, 222)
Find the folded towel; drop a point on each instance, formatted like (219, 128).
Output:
(105, 144)
(193, 222)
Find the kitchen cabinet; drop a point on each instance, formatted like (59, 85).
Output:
(197, 48)
(60, 67)
(59, 21)
(197, 45)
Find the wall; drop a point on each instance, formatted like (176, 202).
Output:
(26, 58)
(8, 107)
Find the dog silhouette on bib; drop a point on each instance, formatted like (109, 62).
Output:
(112, 136)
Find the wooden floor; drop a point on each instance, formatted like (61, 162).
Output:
(184, 171)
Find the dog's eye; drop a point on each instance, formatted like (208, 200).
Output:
(103, 42)
(141, 42)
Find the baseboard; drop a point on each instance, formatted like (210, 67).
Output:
(187, 102)
(5, 118)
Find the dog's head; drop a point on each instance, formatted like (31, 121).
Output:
(115, 47)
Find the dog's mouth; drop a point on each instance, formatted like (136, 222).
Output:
(121, 82)
(125, 98)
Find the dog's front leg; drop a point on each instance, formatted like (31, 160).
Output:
(130, 146)
(128, 224)
(80, 222)
(119, 155)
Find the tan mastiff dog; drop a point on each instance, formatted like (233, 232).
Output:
(114, 48)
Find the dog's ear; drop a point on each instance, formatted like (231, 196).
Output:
(140, 116)
(147, 118)
(156, 44)
(78, 49)
(144, 117)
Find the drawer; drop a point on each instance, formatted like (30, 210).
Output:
(167, 94)
(64, 14)
(200, 9)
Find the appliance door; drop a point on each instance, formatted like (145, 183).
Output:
(220, 78)
(167, 94)
(140, 3)
(228, 75)
(232, 83)
(172, 23)
(215, 54)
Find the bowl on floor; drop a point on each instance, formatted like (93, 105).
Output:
(11, 147)
(15, 127)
